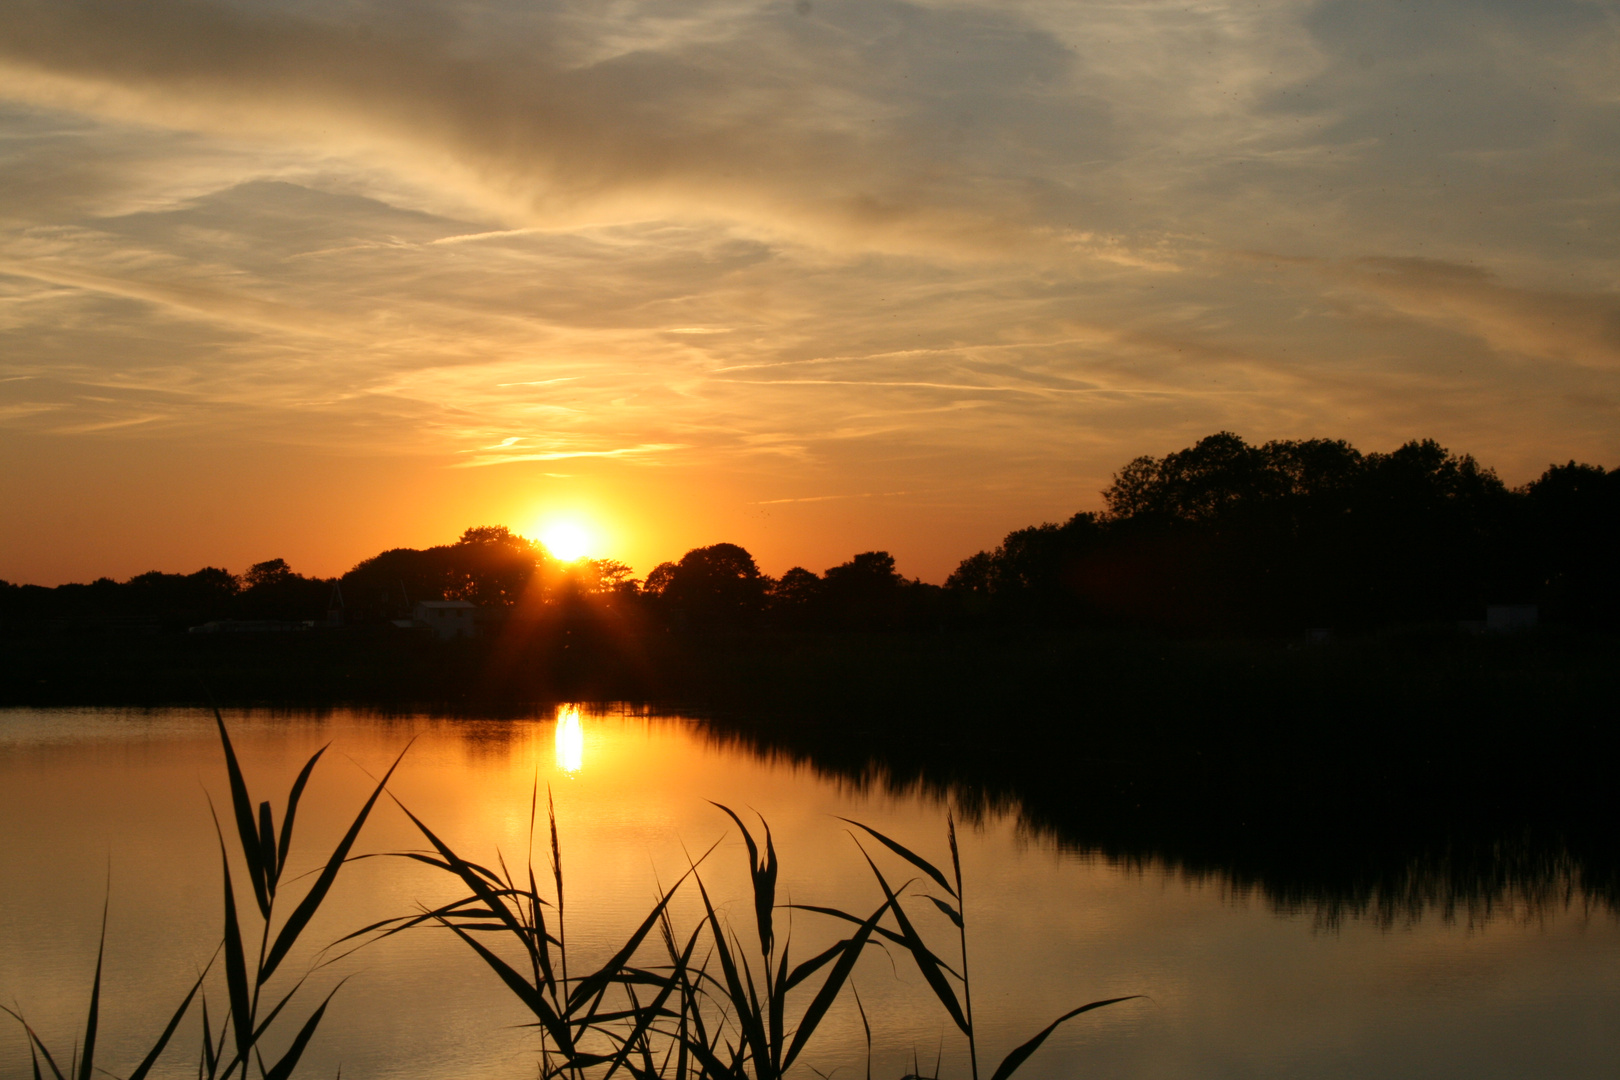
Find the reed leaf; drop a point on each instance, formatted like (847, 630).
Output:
(833, 984)
(762, 873)
(236, 978)
(950, 912)
(748, 1019)
(33, 1043)
(882, 931)
(1012, 1061)
(247, 829)
(597, 981)
(282, 1069)
(816, 963)
(865, 1026)
(168, 1032)
(644, 1019)
(267, 848)
(210, 1057)
(529, 995)
(930, 965)
(476, 878)
(312, 900)
(907, 854)
(264, 1025)
(92, 1021)
(297, 792)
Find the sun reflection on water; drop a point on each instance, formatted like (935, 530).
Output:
(570, 739)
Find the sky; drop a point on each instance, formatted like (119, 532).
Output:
(288, 279)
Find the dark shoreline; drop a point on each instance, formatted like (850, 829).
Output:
(1385, 775)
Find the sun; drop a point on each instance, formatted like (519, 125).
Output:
(566, 540)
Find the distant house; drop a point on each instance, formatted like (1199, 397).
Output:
(447, 619)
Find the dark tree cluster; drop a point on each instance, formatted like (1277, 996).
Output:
(488, 566)
(1221, 537)
(1225, 536)
(720, 587)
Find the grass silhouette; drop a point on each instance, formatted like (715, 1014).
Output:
(708, 1003)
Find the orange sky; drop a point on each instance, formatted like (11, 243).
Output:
(299, 280)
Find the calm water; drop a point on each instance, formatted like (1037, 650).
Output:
(1233, 988)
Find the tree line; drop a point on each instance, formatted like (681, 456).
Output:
(1220, 537)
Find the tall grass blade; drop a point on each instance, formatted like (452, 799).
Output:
(882, 931)
(264, 1025)
(950, 912)
(818, 961)
(33, 1043)
(645, 1017)
(866, 1027)
(927, 962)
(283, 1068)
(907, 854)
(778, 998)
(236, 977)
(833, 984)
(475, 877)
(92, 1021)
(762, 873)
(293, 796)
(1012, 1061)
(317, 892)
(748, 1018)
(267, 848)
(529, 995)
(246, 827)
(557, 877)
(595, 982)
(961, 931)
(210, 1058)
(168, 1032)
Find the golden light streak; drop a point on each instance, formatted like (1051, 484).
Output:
(570, 740)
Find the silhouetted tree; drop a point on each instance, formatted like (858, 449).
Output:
(490, 566)
(1227, 536)
(1572, 533)
(266, 574)
(794, 599)
(658, 579)
(715, 586)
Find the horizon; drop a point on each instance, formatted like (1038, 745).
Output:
(819, 277)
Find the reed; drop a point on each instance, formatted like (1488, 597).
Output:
(234, 1046)
(729, 1024)
(708, 1003)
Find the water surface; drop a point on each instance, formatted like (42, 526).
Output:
(1234, 988)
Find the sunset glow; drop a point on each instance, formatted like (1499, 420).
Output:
(567, 540)
(813, 278)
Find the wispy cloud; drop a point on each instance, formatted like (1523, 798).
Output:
(503, 456)
(829, 498)
(875, 246)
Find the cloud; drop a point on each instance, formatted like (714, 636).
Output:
(828, 498)
(768, 117)
(1574, 328)
(507, 455)
(987, 251)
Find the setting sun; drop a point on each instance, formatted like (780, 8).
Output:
(567, 540)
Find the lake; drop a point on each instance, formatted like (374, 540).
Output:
(116, 804)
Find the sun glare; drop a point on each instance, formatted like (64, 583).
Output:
(566, 540)
(570, 739)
